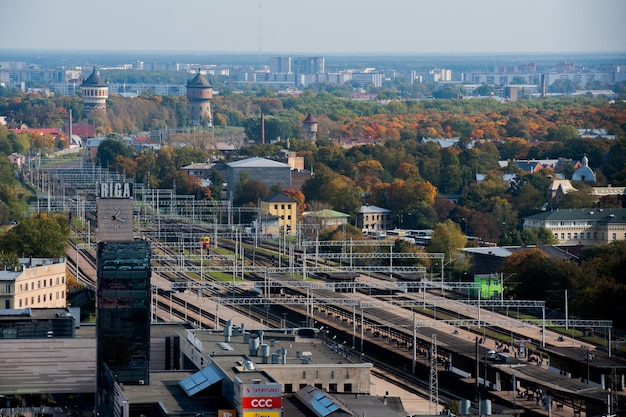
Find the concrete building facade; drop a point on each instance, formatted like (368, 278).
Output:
(267, 171)
(285, 209)
(36, 283)
(372, 218)
(581, 226)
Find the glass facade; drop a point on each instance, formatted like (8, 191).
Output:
(123, 310)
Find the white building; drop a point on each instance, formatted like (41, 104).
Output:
(581, 226)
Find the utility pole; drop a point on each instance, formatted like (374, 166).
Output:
(434, 383)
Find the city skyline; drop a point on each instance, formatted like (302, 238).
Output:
(350, 27)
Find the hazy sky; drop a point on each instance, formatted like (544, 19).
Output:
(316, 26)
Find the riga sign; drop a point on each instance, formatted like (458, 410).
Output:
(116, 190)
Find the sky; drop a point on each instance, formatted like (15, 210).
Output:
(317, 26)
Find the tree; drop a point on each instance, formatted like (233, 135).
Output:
(110, 148)
(249, 191)
(565, 132)
(298, 197)
(577, 199)
(529, 200)
(485, 90)
(615, 166)
(447, 238)
(40, 236)
(337, 190)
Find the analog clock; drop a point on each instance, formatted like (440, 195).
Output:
(116, 217)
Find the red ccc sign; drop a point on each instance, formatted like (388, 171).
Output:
(261, 402)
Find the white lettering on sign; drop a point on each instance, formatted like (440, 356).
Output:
(261, 403)
(116, 190)
(263, 390)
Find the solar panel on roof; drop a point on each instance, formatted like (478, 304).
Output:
(202, 379)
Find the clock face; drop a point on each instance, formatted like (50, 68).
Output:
(115, 219)
(116, 216)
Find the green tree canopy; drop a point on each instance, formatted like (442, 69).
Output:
(112, 147)
(41, 236)
(447, 238)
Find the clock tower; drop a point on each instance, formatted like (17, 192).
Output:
(115, 212)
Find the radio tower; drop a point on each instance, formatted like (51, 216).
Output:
(434, 383)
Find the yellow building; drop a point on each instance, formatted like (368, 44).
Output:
(37, 283)
(279, 214)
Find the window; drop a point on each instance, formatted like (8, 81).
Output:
(44, 283)
(39, 299)
(332, 374)
(32, 285)
(302, 385)
(8, 286)
(614, 236)
(275, 206)
(289, 217)
(7, 304)
(332, 387)
(347, 387)
(569, 236)
(62, 280)
(62, 294)
(20, 302)
(32, 300)
(38, 284)
(51, 282)
(26, 302)
(318, 386)
(44, 298)
(288, 388)
(282, 206)
(303, 374)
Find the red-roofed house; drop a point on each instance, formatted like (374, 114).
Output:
(42, 131)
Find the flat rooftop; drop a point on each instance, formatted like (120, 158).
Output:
(298, 350)
(164, 389)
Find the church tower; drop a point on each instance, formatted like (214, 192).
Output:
(95, 93)
(199, 95)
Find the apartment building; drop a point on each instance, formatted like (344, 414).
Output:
(37, 283)
(372, 219)
(284, 209)
(581, 226)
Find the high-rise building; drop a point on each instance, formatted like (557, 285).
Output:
(199, 95)
(123, 316)
(280, 64)
(308, 65)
